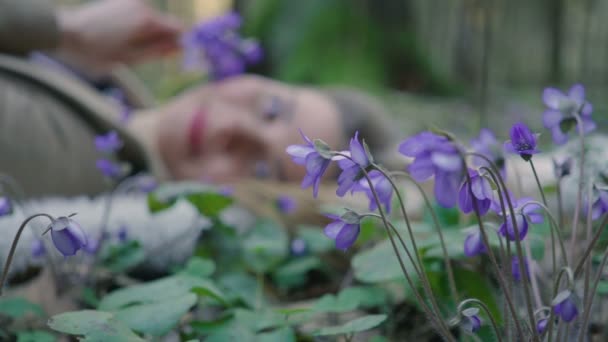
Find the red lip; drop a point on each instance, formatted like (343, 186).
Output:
(196, 132)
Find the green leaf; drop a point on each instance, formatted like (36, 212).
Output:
(18, 307)
(232, 332)
(209, 204)
(94, 325)
(35, 336)
(208, 327)
(208, 289)
(240, 286)
(367, 296)
(156, 205)
(157, 318)
(316, 241)
(379, 264)
(354, 326)
(151, 292)
(331, 303)
(265, 246)
(284, 334)
(121, 258)
(199, 267)
(258, 320)
(293, 273)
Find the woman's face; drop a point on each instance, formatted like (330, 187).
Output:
(241, 127)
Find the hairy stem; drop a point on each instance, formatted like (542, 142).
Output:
(444, 250)
(579, 194)
(518, 247)
(589, 301)
(11, 253)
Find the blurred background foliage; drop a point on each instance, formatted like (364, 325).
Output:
(482, 60)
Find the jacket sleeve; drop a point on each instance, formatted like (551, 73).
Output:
(27, 25)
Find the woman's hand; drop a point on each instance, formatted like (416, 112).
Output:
(104, 33)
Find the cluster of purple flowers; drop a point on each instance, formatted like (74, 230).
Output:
(215, 46)
(109, 144)
(438, 156)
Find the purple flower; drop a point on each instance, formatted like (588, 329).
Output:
(523, 141)
(344, 233)
(351, 169)
(487, 145)
(515, 268)
(562, 168)
(68, 237)
(5, 206)
(298, 247)
(530, 213)
(108, 143)
(600, 205)
(435, 155)
(564, 306)
(471, 323)
(382, 186)
(38, 249)
(216, 46)
(315, 163)
(110, 169)
(541, 325)
(122, 233)
(473, 244)
(481, 192)
(119, 98)
(561, 108)
(286, 204)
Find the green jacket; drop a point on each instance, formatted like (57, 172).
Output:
(48, 119)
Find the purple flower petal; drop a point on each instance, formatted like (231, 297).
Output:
(333, 229)
(473, 244)
(357, 151)
(552, 118)
(553, 98)
(577, 93)
(447, 162)
(347, 236)
(421, 169)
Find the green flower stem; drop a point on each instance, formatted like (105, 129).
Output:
(560, 204)
(553, 226)
(540, 188)
(19, 198)
(389, 226)
(589, 302)
(579, 195)
(486, 310)
(435, 318)
(518, 247)
(11, 253)
(444, 250)
(424, 278)
(594, 240)
(542, 194)
(587, 277)
(564, 270)
(501, 278)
